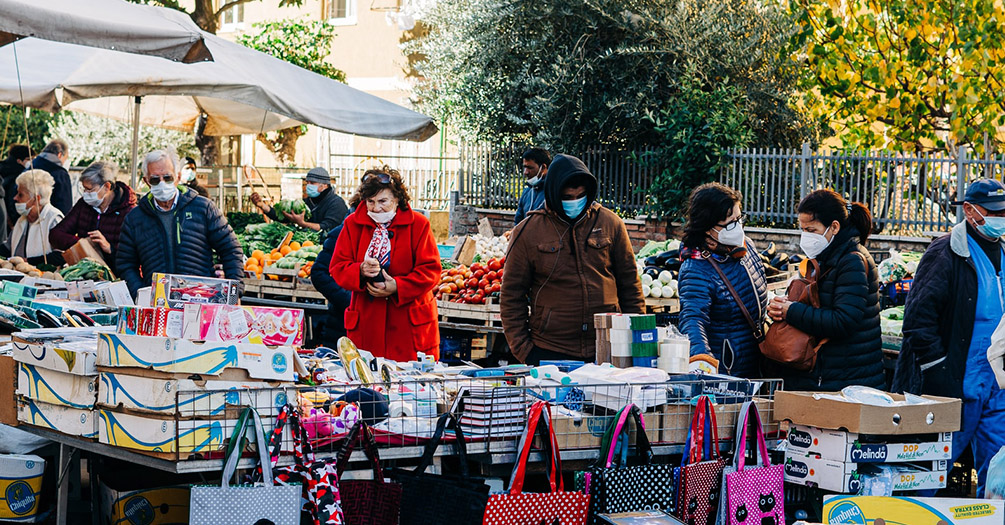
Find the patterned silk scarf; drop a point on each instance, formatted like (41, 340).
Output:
(380, 246)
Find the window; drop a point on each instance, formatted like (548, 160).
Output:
(340, 12)
(232, 19)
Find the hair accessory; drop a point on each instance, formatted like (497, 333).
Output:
(849, 206)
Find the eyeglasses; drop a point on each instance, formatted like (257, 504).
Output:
(384, 178)
(739, 221)
(155, 179)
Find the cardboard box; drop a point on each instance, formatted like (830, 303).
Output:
(839, 476)
(155, 506)
(182, 356)
(71, 421)
(587, 432)
(173, 291)
(113, 294)
(20, 486)
(73, 356)
(249, 324)
(17, 294)
(916, 511)
(156, 433)
(188, 396)
(8, 386)
(57, 388)
(840, 445)
(726, 415)
(464, 251)
(84, 248)
(147, 320)
(802, 409)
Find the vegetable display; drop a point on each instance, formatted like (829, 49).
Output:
(266, 237)
(658, 264)
(776, 262)
(285, 257)
(293, 207)
(490, 247)
(891, 321)
(239, 221)
(19, 264)
(87, 269)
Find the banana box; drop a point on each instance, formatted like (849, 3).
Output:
(71, 354)
(846, 477)
(57, 388)
(155, 506)
(186, 395)
(67, 420)
(912, 511)
(156, 433)
(20, 486)
(846, 446)
(182, 356)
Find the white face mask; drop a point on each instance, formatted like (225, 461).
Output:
(92, 198)
(187, 174)
(165, 191)
(732, 235)
(22, 208)
(381, 217)
(813, 244)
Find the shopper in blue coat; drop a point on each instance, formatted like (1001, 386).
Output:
(338, 297)
(710, 316)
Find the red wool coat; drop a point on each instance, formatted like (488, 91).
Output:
(398, 326)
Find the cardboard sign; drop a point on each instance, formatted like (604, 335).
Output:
(67, 420)
(916, 511)
(464, 252)
(802, 408)
(57, 388)
(83, 249)
(166, 354)
(485, 228)
(148, 391)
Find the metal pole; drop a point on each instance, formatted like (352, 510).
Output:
(136, 142)
(961, 180)
(804, 175)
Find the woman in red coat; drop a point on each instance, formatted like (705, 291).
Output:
(387, 257)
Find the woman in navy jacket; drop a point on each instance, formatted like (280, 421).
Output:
(710, 316)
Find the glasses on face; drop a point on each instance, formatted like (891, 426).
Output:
(156, 179)
(739, 221)
(384, 178)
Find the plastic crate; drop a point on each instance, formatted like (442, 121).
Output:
(455, 348)
(895, 293)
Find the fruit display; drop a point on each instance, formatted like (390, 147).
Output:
(87, 269)
(473, 285)
(285, 257)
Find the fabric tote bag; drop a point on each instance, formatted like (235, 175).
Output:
(752, 493)
(366, 501)
(245, 504)
(516, 507)
(614, 486)
(431, 499)
(701, 470)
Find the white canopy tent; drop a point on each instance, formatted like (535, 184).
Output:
(241, 91)
(109, 24)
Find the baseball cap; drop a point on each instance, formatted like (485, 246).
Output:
(988, 193)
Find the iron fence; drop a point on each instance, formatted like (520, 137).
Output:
(492, 177)
(908, 194)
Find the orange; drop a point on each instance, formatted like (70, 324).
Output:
(258, 254)
(302, 274)
(307, 243)
(275, 256)
(294, 245)
(285, 250)
(262, 258)
(252, 264)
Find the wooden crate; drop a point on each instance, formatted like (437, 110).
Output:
(661, 305)
(476, 314)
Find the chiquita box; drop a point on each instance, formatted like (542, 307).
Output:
(67, 420)
(165, 433)
(249, 324)
(58, 388)
(155, 506)
(182, 356)
(20, 486)
(70, 355)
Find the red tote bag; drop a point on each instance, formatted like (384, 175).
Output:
(521, 508)
(701, 474)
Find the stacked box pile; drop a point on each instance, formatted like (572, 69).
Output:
(835, 445)
(626, 340)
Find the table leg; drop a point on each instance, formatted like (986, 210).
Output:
(63, 484)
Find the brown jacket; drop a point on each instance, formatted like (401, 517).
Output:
(557, 277)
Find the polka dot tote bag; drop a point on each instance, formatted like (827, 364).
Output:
(516, 507)
(753, 493)
(701, 472)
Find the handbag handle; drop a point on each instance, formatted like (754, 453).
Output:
(434, 442)
(362, 431)
(234, 454)
(539, 418)
(702, 424)
(643, 448)
(758, 329)
(749, 408)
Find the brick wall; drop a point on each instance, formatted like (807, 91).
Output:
(879, 245)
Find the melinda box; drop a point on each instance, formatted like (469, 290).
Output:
(181, 356)
(249, 324)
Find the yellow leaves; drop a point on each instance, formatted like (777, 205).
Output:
(894, 103)
(910, 34)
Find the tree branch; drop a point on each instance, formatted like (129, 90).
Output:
(228, 5)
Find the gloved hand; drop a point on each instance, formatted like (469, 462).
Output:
(996, 353)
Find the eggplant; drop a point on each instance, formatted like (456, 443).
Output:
(652, 261)
(765, 260)
(652, 271)
(770, 251)
(673, 265)
(781, 260)
(796, 259)
(667, 256)
(771, 271)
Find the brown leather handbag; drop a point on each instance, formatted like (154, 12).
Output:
(788, 345)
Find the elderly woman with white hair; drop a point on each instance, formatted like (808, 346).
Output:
(30, 236)
(99, 214)
(174, 230)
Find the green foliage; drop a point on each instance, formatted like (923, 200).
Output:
(304, 43)
(695, 131)
(12, 126)
(904, 74)
(94, 138)
(569, 73)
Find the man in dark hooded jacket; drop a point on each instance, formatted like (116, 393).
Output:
(566, 262)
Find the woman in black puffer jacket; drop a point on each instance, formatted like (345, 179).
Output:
(833, 232)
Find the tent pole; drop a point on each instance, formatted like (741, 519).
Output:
(136, 142)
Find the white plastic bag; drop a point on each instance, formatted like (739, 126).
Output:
(994, 488)
(16, 441)
(996, 353)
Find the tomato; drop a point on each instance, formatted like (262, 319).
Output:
(467, 274)
(478, 274)
(444, 289)
(502, 261)
(484, 283)
(471, 283)
(494, 264)
(478, 298)
(495, 287)
(452, 271)
(477, 266)
(491, 276)
(451, 288)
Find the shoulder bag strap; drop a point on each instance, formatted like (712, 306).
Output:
(758, 330)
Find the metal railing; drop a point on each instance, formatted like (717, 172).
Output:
(908, 193)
